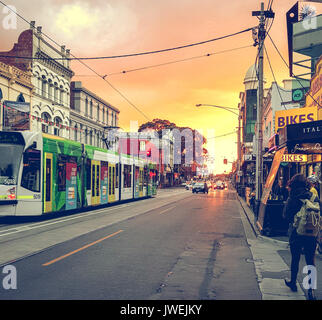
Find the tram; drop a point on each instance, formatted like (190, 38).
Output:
(41, 173)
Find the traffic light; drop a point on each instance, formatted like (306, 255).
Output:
(148, 153)
(225, 161)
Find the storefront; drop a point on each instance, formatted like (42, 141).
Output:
(299, 151)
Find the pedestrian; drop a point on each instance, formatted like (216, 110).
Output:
(299, 190)
(280, 192)
(313, 180)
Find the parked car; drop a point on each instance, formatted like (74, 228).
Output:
(199, 187)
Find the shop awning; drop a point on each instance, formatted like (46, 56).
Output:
(268, 186)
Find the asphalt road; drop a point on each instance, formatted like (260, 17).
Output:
(189, 247)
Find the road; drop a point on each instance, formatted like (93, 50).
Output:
(178, 246)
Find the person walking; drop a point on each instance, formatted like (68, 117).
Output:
(313, 181)
(299, 190)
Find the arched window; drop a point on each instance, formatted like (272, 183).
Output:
(1, 95)
(20, 98)
(45, 122)
(57, 122)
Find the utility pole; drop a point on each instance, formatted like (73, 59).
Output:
(262, 14)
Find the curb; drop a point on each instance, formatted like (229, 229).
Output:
(250, 216)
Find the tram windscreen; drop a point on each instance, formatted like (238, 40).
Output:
(11, 148)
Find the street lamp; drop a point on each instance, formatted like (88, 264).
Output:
(232, 110)
(214, 106)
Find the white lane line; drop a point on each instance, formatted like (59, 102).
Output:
(60, 220)
(166, 210)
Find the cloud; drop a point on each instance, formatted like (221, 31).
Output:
(88, 27)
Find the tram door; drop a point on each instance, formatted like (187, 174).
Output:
(95, 184)
(141, 182)
(111, 182)
(48, 178)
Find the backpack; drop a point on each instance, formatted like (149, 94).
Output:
(308, 220)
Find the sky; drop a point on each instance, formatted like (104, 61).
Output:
(114, 27)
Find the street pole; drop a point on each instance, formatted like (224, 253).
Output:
(260, 100)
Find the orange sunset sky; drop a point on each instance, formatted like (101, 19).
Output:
(113, 27)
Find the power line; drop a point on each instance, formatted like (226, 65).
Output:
(87, 66)
(270, 65)
(223, 135)
(293, 75)
(171, 62)
(133, 54)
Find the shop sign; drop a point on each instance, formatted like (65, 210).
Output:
(294, 158)
(295, 116)
(307, 148)
(298, 133)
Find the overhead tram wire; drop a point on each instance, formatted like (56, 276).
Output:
(293, 75)
(131, 54)
(128, 55)
(278, 89)
(87, 66)
(171, 62)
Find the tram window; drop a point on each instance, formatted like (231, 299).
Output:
(30, 179)
(109, 181)
(93, 180)
(117, 176)
(127, 176)
(113, 180)
(88, 175)
(97, 181)
(61, 175)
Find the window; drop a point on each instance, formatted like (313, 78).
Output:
(58, 123)
(127, 176)
(110, 180)
(55, 92)
(62, 160)
(43, 87)
(91, 109)
(88, 175)
(20, 98)
(117, 176)
(1, 95)
(86, 107)
(98, 112)
(45, 121)
(30, 179)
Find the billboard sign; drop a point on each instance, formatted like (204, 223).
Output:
(16, 116)
(295, 116)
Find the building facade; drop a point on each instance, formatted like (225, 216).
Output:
(90, 116)
(51, 76)
(15, 97)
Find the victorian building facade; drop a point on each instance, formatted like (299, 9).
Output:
(50, 76)
(90, 116)
(15, 95)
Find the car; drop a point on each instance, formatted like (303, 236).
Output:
(199, 187)
(220, 185)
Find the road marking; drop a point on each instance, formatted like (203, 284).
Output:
(82, 248)
(166, 210)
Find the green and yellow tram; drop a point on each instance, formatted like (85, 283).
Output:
(41, 173)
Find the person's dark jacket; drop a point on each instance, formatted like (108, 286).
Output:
(293, 204)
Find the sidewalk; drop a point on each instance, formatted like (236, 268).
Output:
(272, 258)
